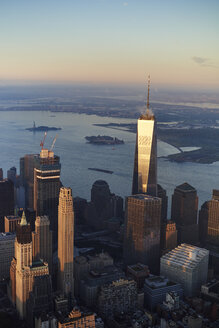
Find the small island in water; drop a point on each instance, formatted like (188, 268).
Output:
(104, 140)
(42, 128)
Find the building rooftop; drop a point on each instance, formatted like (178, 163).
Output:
(38, 264)
(144, 197)
(12, 217)
(155, 282)
(186, 187)
(139, 267)
(186, 256)
(7, 236)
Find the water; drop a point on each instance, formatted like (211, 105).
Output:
(77, 155)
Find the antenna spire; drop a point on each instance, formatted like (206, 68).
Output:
(148, 104)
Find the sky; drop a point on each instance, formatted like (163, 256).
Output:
(110, 41)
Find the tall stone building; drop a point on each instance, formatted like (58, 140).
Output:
(184, 213)
(142, 231)
(66, 242)
(145, 163)
(47, 169)
(23, 269)
(42, 241)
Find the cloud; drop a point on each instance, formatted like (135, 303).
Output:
(125, 4)
(204, 62)
(199, 60)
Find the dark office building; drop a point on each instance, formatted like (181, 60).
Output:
(40, 300)
(168, 236)
(184, 213)
(142, 231)
(27, 178)
(213, 219)
(47, 169)
(203, 223)
(6, 200)
(161, 193)
(11, 174)
(1, 174)
(103, 206)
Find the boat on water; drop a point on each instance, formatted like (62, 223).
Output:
(104, 140)
(42, 128)
(100, 170)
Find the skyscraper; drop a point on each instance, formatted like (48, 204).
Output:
(6, 200)
(213, 219)
(42, 241)
(66, 242)
(184, 213)
(25, 269)
(27, 178)
(46, 187)
(142, 231)
(145, 164)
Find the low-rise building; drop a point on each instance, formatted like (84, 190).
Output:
(93, 280)
(118, 297)
(77, 319)
(156, 288)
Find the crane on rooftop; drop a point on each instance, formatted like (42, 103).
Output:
(43, 141)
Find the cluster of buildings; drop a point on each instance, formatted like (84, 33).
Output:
(156, 272)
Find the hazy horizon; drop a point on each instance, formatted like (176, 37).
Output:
(102, 41)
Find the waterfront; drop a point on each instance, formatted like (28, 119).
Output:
(77, 155)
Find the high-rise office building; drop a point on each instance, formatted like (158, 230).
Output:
(168, 236)
(27, 178)
(142, 231)
(161, 193)
(103, 206)
(184, 213)
(1, 174)
(11, 222)
(42, 241)
(6, 200)
(66, 242)
(213, 219)
(46, 187)
(6, 253)
(145, 164)
(40, 299)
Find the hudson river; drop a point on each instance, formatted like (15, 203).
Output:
(76, 155)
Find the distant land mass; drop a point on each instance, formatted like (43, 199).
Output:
(205, 138)
(193, 112)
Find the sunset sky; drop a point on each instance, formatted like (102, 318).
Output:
(176, 41)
